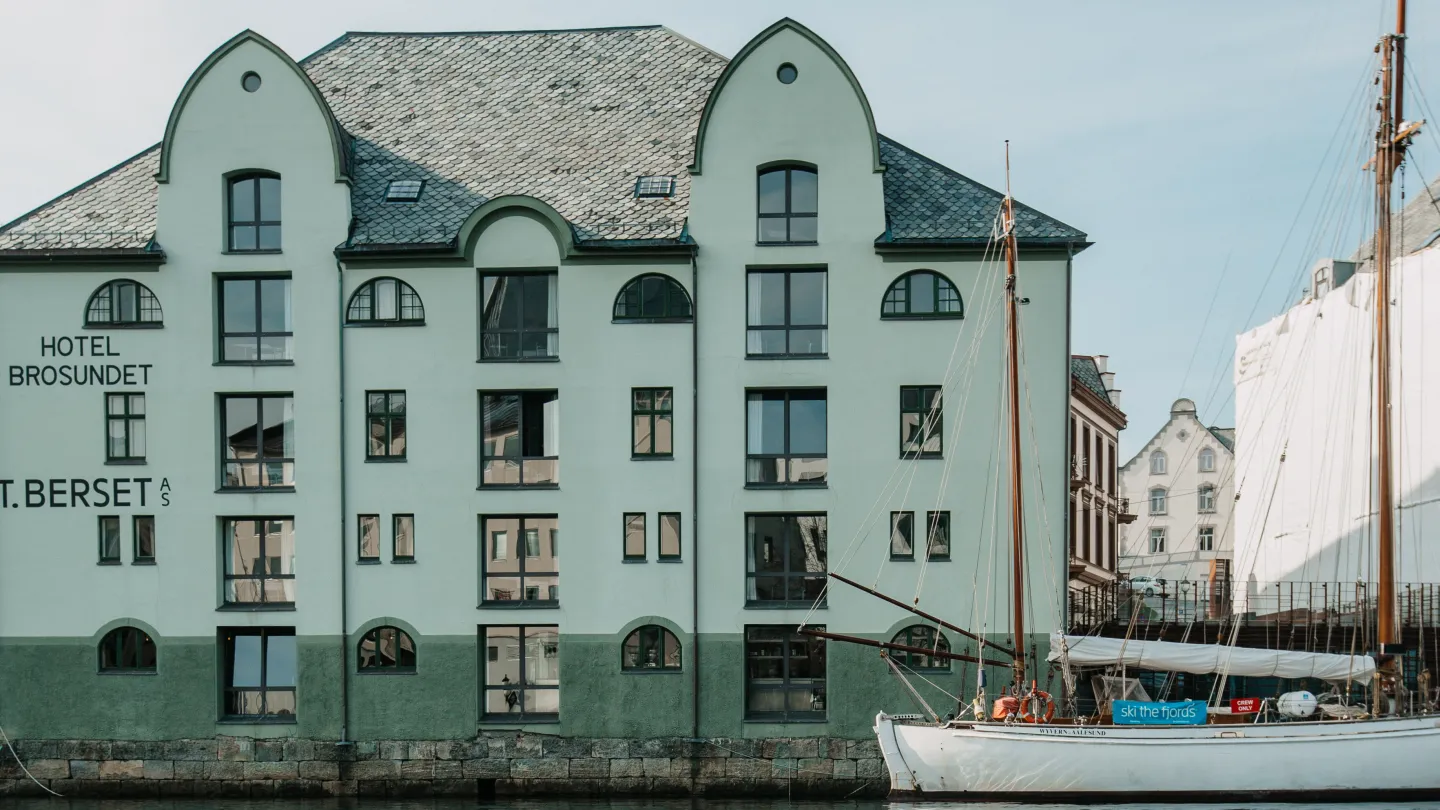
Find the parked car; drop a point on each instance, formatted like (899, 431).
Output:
(1147, 585)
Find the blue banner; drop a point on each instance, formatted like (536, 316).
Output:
(1139, 713)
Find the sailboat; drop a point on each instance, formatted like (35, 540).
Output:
(1020, 752)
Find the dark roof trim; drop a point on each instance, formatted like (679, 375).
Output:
(339, 141)
(1115, 416)
(782, 25)
(975, 245)
(107, 256)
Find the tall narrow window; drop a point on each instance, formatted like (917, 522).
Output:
(787, 314)
(254, 213)
(520, 438)
(785, 441)
(788, 205)
(127, 650)
(937, 535)
(260, 670)
(784, 674)
(369, 536)
(785, 557)
(109, 540)
(143, 527)
(517, 568)
(902, 535)
(256, 322)
(1206, 498)
(403, 538)
(652, 298)
(386, 650)
(921, 294)
(635, 536)
(1157, 463)
(1157, 501)
(926, 637)
(385, 423)
(125, 427)
(920, 421)
(522, 673)
(123, 303)
(257, 441)
(652, 648)
(1205, 538)
(1207, 460)
(652, 431)
(669, 535)
(519, 316)
(259, 561)
(1157, 540)
(385, 302)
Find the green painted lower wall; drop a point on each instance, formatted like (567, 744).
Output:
(50, 689)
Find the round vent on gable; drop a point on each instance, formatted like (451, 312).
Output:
(250, 81)
(787, 73)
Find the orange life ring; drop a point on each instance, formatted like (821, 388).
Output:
(1028, 716)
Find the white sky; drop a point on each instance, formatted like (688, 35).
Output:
(1179, 136)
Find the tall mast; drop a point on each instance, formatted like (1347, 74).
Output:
(1012, 347)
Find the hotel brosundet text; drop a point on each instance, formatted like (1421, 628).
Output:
(448, 385)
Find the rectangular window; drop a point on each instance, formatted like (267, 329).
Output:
(109, 539)
(787, 201)
(526, 575)
(403, 539)
(519, 316)
(785, 442)
(520, 438)
(669, 535)
(787, 314)
(1206, 538)
(259, 561)
(256, 324)
(1157, 501)
(785, 559)
(261, 668)
(257, 441)
(635, 536)
(369, 538)
(125, 427)
(937, 545)
(254, 214)
(522, 674)
(920, 421)
(143, 527)
(1157, 541)
(902, 535)
(784, 675)
(385, 425)
(652, 431)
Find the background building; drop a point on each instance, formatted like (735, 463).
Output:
(1096, 508)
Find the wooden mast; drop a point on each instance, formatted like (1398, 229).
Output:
(1012, 351)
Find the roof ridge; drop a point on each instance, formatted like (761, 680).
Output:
(81, 187)
(504, 32)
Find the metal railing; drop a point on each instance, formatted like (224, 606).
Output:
(1342, 604)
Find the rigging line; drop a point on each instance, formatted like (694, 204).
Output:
(1039, 473)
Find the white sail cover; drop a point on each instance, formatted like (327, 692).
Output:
(1169, 656)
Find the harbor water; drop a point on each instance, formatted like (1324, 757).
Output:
(597, 804)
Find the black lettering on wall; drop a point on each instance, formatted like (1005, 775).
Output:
(120, 488)
(5, 492)
(101, 492)
(79, 492)
(57, 493)
(34, 493)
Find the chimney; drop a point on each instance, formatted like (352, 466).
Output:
(1100, 361)
(1107, 379)
(1114, 394)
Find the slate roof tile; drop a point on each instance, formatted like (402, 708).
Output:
(1085, 372)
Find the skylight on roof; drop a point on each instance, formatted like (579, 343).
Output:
(403, 190)
(655, 185)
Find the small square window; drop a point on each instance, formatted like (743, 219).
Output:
(404, 191)
(655, 185)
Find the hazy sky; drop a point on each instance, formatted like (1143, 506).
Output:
(1181, 136)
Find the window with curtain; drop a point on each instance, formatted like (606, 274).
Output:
(123, 303)
(386, 302)
(922, 294)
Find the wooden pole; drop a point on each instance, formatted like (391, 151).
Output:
(922, 614)
(890, 645)
(1017, 515)
(1386, 159)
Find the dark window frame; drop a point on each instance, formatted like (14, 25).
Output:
(146, 302)
(907, 520)
(260, 332)
(931, 421)
(395, 667)
(520, 460)
(662, 556)
(657, 637)
(788, 326)
(127, 659)
(786, 682)
(897, 295)
(392, 195)
(395, 555)
(630, 302)
(261, 460)
(654, 414)
(227, 674)
(127, 418)
(1200, 538)
(386, 417)
(788, 572)
(226, 553)
(626, 554)
(915, 636)
(487, 335)
(363, 301)
(789, 214)
(232, 220)
(520, 687)
(936, 521)
(654, 186)
(788, 456)
(360, 555)
(108, 556)
(136, 557)
(522, 554)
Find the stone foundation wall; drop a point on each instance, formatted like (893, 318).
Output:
(493, 764)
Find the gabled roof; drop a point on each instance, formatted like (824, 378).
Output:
(1416, 226)
(571, 118)
(1085, 372)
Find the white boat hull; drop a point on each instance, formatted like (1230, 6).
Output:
(1330, 761)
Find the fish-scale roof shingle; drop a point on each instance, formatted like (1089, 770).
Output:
(1085, 372)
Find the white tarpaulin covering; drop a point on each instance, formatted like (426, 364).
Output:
(1168, 656)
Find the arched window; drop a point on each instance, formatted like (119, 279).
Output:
(1207, 460)
(1157, 463)
(652, 298)
(388, 301)
(127, 649)
(650, 647)
(788, 205)
(919, 635)
(922, 294)
(123, 303)
(1207, 498)
(387, 649)
(1157, 501)
(254, 213)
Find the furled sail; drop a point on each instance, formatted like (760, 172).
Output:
(1169, 656)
